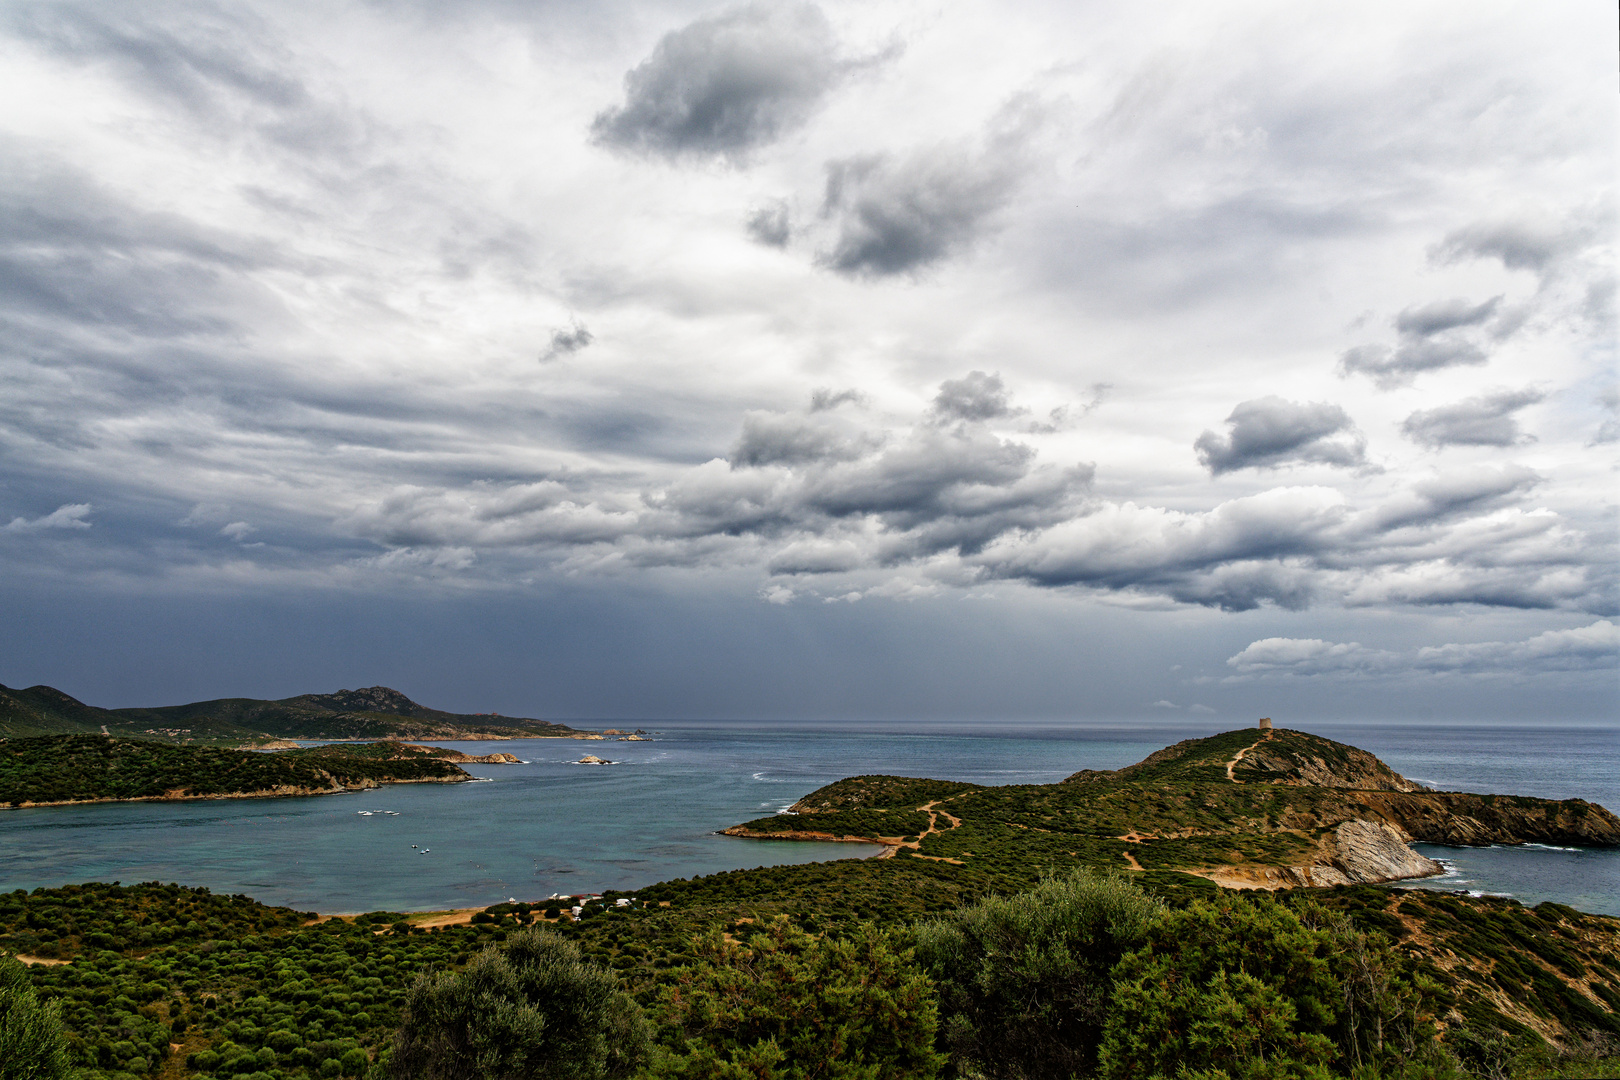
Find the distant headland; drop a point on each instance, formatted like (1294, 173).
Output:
(375, 712)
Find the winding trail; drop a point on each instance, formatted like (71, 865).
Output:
(892, 845)
(1230, 765)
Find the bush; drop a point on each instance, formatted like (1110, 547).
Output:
(1024, 980)
(1240, 988)
(530, 1008)
(32, 1043)
(788, 1006)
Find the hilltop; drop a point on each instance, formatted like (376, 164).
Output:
(375, 712)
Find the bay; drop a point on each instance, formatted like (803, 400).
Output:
(551, 825)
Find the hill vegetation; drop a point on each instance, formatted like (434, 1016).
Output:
(376, 712)
(76, 768)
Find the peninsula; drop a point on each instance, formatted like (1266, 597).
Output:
(1267, 808)
(56, 770)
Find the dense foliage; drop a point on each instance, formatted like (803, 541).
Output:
(528, 1008)
(785, 1005)
(32, 1043)
(63, 768)
(1025, 981)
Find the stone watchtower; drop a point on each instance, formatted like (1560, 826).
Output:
(1265, 723)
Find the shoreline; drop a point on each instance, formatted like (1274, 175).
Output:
(270, 793)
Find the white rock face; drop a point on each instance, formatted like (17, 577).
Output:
(1370, 851)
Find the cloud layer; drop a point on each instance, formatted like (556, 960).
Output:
(808, 304)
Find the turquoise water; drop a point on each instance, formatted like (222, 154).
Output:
(550, 825)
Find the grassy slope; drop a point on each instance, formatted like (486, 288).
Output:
(61, 768)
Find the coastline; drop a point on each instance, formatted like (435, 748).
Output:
(287, 792)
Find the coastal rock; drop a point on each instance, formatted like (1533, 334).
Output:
(444, 753)
(1462, 819)
(592, 759)
(1371, 851)
(1356, 853)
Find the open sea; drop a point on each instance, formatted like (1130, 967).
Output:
(550, 825)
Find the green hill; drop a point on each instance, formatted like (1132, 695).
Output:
(373, 713)
(73, 768)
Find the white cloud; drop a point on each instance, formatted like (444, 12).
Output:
(70, 516)
(1593, 648)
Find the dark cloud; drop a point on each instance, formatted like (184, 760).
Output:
(899, 216)
(1486, 420)
(790, 439)
(771, 225)
(1240, 554)
(563, 342)
(1395, 367)
(725, 84)
(1430, 319)
(1523, 243)
(823, 399)
(974, 397)
(1440, 334)
(1269, 432)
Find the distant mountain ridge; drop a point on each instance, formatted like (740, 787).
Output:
(374, 712)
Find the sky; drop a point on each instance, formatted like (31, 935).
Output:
(1035, 362)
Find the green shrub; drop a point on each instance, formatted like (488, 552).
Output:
(33, 1045)
(788, 1006)
(1024, 981)
(530, 1008)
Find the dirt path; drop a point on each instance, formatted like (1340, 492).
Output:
(1132, 860)
(1230, 765)
(892, 844)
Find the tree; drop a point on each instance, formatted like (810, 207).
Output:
(789, 1006)
(32, 1043)
(532, 1008)
(1238, 988)
(1024, 980)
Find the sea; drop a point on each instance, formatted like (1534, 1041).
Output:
(553, 826)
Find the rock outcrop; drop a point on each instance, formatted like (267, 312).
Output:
(1461, 819)
(445, 753)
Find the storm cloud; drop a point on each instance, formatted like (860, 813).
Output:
(727, 84)
(1269, 432)
(1486, 420)
(894, 216)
